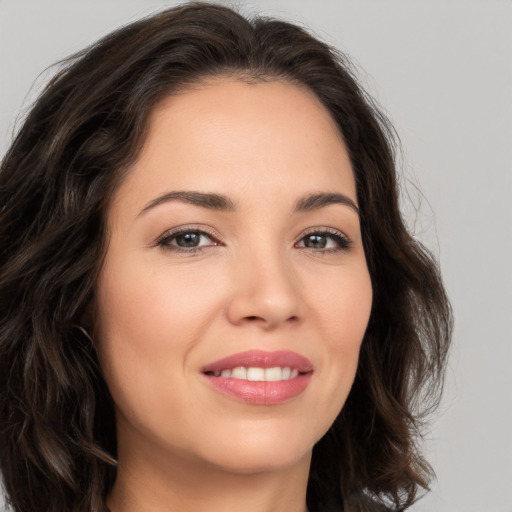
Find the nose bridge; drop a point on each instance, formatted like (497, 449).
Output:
(265, 286)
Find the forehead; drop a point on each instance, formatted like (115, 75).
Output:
(227, 136)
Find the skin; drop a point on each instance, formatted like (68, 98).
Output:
(256, 282)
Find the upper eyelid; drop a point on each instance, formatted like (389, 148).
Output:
(169, 233)
(322, 230)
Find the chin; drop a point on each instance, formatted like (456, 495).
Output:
(259, 461)
(256, 451)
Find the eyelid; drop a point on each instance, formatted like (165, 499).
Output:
(329, 231)
(323, 229)
(200, 228)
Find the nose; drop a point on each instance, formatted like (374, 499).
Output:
(266, 292)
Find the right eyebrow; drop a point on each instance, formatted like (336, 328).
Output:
(202, 199)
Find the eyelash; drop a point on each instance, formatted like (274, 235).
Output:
(164, 240)
(341, 240)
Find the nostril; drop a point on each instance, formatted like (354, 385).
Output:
(255, 317)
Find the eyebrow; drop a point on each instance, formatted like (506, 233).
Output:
(322, 199)
(202, 199)
(223, 203)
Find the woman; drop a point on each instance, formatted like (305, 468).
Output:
(209, 299)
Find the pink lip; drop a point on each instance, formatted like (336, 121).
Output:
(261, 392)
(262, 359)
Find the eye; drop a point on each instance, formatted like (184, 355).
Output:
(324, 240)
(186, 240)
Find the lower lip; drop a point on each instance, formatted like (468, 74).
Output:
(261, 392)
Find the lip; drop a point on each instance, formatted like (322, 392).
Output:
(262, 359)
(261, 392)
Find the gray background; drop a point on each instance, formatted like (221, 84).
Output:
(443, 72)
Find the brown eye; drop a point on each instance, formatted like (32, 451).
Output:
(324, 240)
(192, 239)
(187, 240)
(315, 241)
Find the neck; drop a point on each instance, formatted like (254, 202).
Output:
(153, 483)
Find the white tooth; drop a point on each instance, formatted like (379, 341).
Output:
(255, 374)
(216, 373)
(273, 374)
(239, 373)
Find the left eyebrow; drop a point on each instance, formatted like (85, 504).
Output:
(322, 199)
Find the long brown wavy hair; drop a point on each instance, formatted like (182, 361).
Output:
(57, 427)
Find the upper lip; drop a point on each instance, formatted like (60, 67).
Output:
(261, 359)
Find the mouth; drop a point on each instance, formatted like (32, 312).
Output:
(255, 374)
(260, 377)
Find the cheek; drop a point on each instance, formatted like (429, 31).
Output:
(343, 313)
(147, 324)
(343, 307)
(151, 307)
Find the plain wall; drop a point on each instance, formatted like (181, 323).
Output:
(443, 72)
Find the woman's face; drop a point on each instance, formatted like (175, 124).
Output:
(235, 235)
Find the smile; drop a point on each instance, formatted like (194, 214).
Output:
(256, 374)
(259, 377)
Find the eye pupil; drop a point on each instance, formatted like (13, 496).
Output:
(188, 240)
(316, 241)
